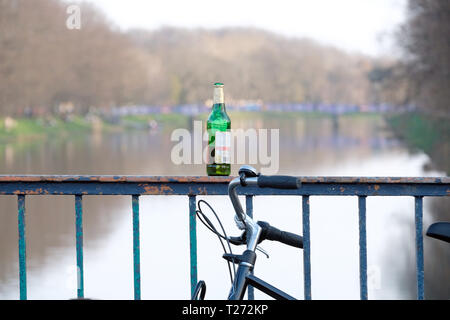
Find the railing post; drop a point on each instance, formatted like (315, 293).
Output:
(79, 245)
(362, 248)
(419, 247)
(306, 249)
(249, 211)
(22, 248)
(136, 248)
(193, 242)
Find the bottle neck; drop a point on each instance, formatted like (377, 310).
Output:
(219, 107)
(219, 96)
(219, 99)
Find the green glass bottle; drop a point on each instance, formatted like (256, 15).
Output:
(219, 136)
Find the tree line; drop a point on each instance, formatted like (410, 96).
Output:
(43, 64)
(425, 39)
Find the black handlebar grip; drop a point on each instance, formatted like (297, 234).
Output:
(278, 182)
(272, 233)
(291, 239)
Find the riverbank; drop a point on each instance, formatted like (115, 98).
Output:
(424, 132)
(35, 128)
(432, 136)
(30, 129)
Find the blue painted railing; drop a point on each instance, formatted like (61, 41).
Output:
(136, 186)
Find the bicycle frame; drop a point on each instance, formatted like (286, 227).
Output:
(244, 276)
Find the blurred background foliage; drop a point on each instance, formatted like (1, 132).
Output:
(44, 64)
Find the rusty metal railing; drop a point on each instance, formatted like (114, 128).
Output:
(136, 186)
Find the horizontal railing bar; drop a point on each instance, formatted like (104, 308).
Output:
(219, 180)
(214, 188)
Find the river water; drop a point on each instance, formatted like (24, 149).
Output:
(358, 145)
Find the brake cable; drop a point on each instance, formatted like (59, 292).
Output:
(208, 224)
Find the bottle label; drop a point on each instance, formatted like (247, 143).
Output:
(223, 147)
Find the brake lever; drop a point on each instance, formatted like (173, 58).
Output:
(262, 251)
(239, 241)
(242, 239)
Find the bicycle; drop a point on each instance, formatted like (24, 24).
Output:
(440, 231)
(253, 234)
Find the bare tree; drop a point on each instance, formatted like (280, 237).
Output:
(426, 40)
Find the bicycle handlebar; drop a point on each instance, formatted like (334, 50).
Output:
(278, 182)
(249, 177)
(271, 233)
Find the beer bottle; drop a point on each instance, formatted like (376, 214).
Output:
(219, 136)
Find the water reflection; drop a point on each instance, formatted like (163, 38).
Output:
(348, 146)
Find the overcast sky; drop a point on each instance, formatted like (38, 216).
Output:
(355, 25)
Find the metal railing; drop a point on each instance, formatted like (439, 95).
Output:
(136, 186)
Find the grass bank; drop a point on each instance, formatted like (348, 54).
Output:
(34, 128)
(427, 133)
(38, 128)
